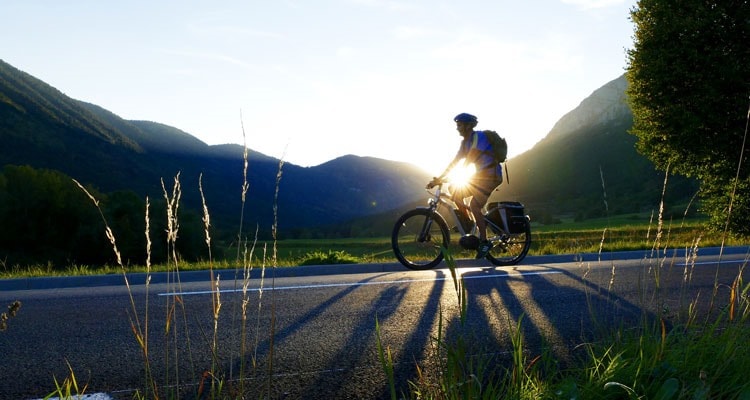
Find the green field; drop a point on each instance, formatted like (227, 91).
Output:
(628, 232)
(621, 233)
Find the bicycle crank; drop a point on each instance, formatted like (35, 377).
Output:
(469, 242)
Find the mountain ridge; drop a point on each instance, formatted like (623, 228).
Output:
(603, 104)
(46, 129)
(587, 165)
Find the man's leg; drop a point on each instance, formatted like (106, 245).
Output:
(476, 205)
(458, 198)
(483, 187)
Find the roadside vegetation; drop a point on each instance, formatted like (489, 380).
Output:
(618, 233)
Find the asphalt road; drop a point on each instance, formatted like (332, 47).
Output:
(310, 332)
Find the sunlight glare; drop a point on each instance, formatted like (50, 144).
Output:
(460, 175)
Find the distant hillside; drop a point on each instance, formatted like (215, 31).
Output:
(43, 128)
(588, 155)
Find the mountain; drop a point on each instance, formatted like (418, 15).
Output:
(587, 165)
(43, 128)
(605, 105)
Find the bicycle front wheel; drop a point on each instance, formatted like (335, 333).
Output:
(511, 249)
(418, 239)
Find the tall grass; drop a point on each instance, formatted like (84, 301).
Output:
(68, 388)
(246, 254)
(6, 316)
(169, 382)
(139, 330)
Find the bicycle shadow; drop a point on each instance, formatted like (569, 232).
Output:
(362, 341)
(552, 308)
(260, 355)
(556, 308)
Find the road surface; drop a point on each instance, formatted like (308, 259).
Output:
(310, 332)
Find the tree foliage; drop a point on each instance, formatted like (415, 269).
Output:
(45, 219)
(48, 220)
(689, 85)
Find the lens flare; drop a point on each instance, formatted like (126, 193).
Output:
(460, 175)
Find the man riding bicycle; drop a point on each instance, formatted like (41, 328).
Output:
(475, 149)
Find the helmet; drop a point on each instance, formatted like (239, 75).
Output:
(464, 117)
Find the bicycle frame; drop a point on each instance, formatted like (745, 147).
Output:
(421, 235)
(439, 198)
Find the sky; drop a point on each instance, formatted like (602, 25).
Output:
(312, 80)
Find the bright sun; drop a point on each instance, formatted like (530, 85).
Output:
(461, 174)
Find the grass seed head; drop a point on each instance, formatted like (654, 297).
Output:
(13, 308)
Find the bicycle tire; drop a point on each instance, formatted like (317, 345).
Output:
(513, 248)
(413, 252)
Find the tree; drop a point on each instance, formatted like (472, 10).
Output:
(124, 211)
(47, 219)
(689, 87)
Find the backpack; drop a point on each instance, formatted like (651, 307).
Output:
(499, 146)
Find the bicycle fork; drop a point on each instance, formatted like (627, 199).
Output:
(424, 233)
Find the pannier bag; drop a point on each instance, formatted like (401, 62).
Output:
(509, 215)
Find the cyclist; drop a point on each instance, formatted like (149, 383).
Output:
(475, 149)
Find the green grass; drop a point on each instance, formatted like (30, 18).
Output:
(620, 233)
(593, 237)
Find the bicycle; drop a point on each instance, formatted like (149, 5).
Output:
(420, 236)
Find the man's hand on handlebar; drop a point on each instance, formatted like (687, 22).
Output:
(434, 182)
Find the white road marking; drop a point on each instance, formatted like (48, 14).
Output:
(349, 284)
(712, 262)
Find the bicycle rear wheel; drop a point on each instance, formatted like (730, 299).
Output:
(511, 249)
(418, 239)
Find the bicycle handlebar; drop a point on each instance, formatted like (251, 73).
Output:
(438, 195)
(436, 181)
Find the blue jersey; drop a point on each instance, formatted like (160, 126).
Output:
(477, 149)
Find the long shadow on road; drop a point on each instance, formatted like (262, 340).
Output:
(259, 354)
(555, 310)
(421, 329)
